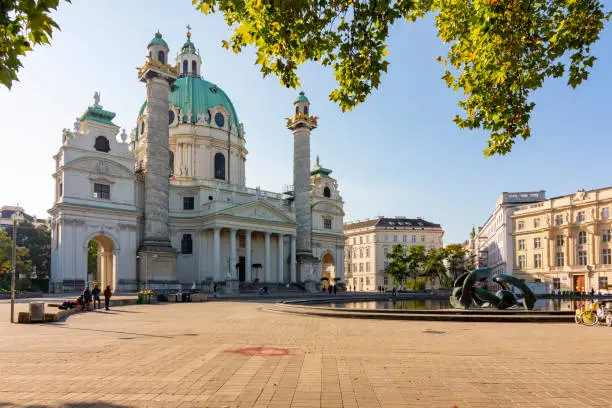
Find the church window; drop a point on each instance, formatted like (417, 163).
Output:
(142, 128)
(171, 162)
(326, 192)
(102, 144)
(170, 116)
(188, 203)
(161, 57)
(219, 119)
(186, 244)
(220, 166)
(327, 223)
(102, 191)
(194, 68)
(297, 110)
(185, 67)
(306, 110)
(61, 189)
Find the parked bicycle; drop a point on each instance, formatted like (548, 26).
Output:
(591, 315)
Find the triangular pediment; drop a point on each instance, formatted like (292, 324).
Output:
(258, 210)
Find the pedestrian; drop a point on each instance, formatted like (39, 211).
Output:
(86, 298)
(107, 296)
(335, 289)
(96, 296)
(265, 288)
(329, 289)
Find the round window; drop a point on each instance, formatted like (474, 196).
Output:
(170, 116)
(219, 119)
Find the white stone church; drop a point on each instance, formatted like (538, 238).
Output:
(169, 204)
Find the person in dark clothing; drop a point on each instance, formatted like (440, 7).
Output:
(107, 296)
(86, 298)
(329, 289)
(335, 289)
(96, 295)
(265, 288)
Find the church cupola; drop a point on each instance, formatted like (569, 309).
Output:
(158, 49)
(188, 60)
(302, 104)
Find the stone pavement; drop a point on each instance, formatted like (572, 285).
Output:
(210, 355)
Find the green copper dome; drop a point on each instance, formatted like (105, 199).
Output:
(301, 98)
(158, 40)
(188, 48)
(195, 95)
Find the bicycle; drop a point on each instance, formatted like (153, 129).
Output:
(593, 315)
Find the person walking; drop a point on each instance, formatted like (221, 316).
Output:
(96, 296)
(107, 296)
(86, 298)
(335, 289)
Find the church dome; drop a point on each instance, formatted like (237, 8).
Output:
(158, 40)
(195, 95)
(188, 47)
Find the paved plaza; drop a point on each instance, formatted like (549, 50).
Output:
(234, 354)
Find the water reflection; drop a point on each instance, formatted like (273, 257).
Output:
(434, 304)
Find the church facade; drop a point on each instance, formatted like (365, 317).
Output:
(169, 204)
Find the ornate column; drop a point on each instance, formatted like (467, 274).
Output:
(293, 266)
(217, 253)
(232, 262)
(267, 258)
(247, 257)
(281, 259)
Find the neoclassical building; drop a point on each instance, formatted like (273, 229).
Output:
(565, 242)
(369, 241)
(169, 204)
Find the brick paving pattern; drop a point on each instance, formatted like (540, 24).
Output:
(179, 355)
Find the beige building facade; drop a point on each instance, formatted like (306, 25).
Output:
(368, 242)
(566, 242)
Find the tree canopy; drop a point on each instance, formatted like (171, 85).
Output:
(23, 24)
(499, 51)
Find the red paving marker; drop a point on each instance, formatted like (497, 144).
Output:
(261, 351)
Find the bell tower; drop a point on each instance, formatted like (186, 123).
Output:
(301, 124)
(157, 258)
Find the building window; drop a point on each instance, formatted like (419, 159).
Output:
(367, 252)
(558, 219)
(556, 284)
(582, 258)
(186, 244)
(188, 203)
(361, 240)
(367, 267)
(537, 261)
(161, 57)
(536, 242)
(361, 267)
(414, 238)
(560, 240)
(581, 237)
(355, 268)
(367, 280)
(194, 68)
(142, 128)
(354, 241)
(603, 282)
(101, 144)
(220, 166)
(386, 238)
(327, 223)
(521, 244)
(326, 192)
(405, 238)
(185, 67)
(560, 260)
(605, 214)
(361, 252)
(348, 268)
(385, 280)
(606, 256)
(580, 217)
(605, 235)
(521, 261)
(61, 189)
(385, 250)
(422, 238)
(102, 191)
(521, 225)
(536, 222)
(394, 238)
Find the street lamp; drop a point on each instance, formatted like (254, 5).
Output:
(15, 217)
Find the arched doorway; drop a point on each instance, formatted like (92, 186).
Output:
(327, 271)
(101, 262)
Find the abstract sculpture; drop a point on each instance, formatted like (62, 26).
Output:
(466, 295)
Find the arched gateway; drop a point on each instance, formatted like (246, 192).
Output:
(104, 260)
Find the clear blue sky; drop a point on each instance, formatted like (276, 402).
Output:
(397, 154)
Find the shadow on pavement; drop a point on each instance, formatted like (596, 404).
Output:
(107, 331)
